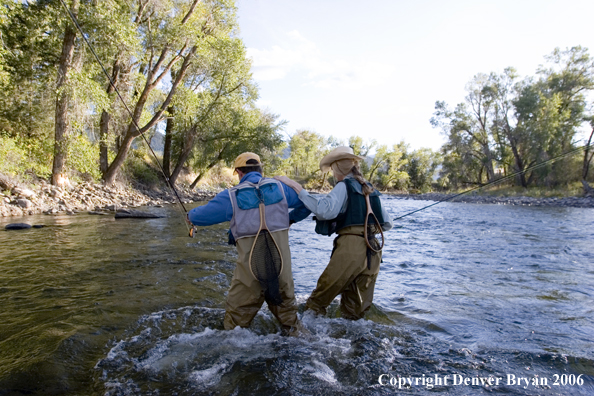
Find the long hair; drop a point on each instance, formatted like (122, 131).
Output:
(356, 171)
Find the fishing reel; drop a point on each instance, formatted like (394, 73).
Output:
(192, 231)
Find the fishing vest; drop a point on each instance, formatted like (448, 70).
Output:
(246, 198)
(355, 211)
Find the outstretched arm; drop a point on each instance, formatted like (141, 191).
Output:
(217, 210)
(325, 208)
(299, 211)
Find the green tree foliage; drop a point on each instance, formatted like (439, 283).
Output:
(362, 148)
(588, 155)
(307, 149)
(176, 35)
(549, 111)
(32, 53)
(507, 126)
(216, 94)
(467, 129)
(392, 173)
(420, 167)
(174, 60)
(4, 76)
(385, 169)
(234, 132)
(47, 69)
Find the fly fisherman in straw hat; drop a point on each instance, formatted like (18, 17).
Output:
(258, 209)
(355, 260)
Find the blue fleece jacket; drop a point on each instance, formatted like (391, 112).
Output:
(219, 209)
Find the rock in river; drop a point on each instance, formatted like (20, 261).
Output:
(136, 214)
(17, 226)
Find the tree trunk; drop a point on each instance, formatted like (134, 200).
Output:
(104, 122)
(63, 102)
(198, 178)
(184, 155)
(133, 129)
(167, 144)
(517, 158)
(118, 161)
(587, 157)
(209, 166)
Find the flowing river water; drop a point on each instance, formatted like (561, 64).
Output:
(471, 299)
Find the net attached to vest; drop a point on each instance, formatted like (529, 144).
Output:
(372, 229)
(266, 262)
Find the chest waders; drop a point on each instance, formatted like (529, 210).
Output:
(260, 210)
(361, 210)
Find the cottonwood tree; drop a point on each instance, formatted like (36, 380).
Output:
(4, 76)
(421, 167)
(518, 124)
(362, 148)
(217, 87)
(173, 34)
(234, 132)
(63, 98)
(550, 110)
(389, 166)
(467, 128)
(33, 44)
(307, 148)
(48, 63)
(587, 160)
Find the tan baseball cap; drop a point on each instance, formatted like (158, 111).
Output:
(242, 160)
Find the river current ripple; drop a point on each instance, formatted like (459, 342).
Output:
(97, 306)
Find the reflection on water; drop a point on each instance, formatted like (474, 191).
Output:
(94, 306)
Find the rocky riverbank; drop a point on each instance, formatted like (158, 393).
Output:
(576, 202)
(18, 199)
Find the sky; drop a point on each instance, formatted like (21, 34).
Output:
(376, 68)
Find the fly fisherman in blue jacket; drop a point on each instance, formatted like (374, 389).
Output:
(258, 209)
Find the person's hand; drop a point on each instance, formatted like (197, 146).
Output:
(289, 182)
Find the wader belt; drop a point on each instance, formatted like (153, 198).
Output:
(369, 251)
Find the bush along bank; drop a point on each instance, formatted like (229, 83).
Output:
(19, 199)
(576, 202)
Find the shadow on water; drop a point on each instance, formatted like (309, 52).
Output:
(95, 306)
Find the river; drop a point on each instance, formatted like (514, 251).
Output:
(471, 299)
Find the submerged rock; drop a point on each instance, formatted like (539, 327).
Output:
(136, 214)
(98, 213)
(17, 226)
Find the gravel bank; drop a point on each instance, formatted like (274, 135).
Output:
(576, 202)
(17, 199)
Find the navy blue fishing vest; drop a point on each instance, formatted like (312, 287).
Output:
(355, 211)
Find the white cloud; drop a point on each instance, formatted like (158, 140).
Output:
(301, 55)
(355, 76)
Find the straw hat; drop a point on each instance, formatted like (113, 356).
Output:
(242, 160)
(339, 153)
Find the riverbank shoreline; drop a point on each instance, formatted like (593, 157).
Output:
(574, 202)
(18, 199)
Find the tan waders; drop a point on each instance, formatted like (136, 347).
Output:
(347, 274)
(246, 295)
